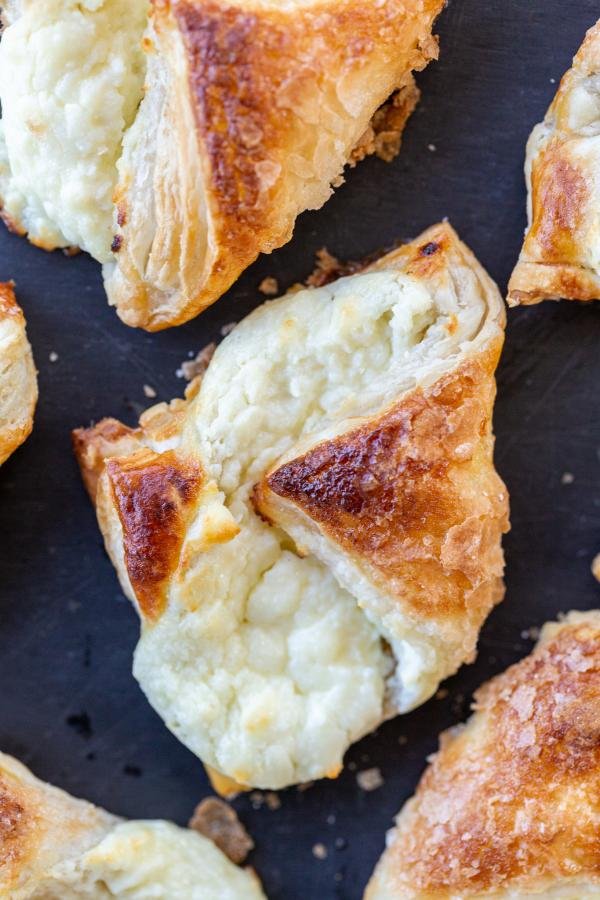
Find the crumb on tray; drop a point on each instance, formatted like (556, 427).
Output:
(218, 822)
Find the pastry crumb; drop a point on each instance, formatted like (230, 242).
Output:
(531, 634)
(319, 851)
(567, 478)
(269, 286)
(370, 779)
(432, 148)
(596, 567)
(402, 740)
(227, 329)
(191, 369)
(217, 821)
(53, 356)
(149, 391)
(330, 819)
(442, 694)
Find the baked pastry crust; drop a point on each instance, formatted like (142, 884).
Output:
(56, 847)
(251, 110)
(508, 807)
(18, 384)
(381, 486)
(559, 258)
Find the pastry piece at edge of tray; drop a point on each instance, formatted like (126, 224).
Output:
(312, 538)
(18, 378)
(560, 257)
(509, 806)
(191, 134)
(56, 847)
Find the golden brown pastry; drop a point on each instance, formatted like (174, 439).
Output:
(561, 252)
(312, 537)
(18, 379)
(510, 806)
(235, 117)
(54, 847)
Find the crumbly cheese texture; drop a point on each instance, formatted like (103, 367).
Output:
(71, 80)
(261, 662)
(151, 860)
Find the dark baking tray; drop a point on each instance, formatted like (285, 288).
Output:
(70, 707)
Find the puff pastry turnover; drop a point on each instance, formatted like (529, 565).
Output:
(510, 806)
(18, 379)
(312, 537)
(175, 141)
(560, 257)
(54, 847)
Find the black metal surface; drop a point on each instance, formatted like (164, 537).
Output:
(70, 707)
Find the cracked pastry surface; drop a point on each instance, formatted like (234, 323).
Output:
(509, 807)
(18, 378)
(312, 537)
(55, 847)
(560, 257)
(211, 124)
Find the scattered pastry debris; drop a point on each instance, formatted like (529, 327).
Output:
(218, 822)
(330, 819)
(268, 798)
(191, 369)
(328, 268)
(567, 478)
(227, 329)
(596, 567)
(304, 786)
(319, 851)
(53, 356)
(531, 634)
(149, 391)
(442, 694)
(383, 136)
(432, 148)
(269, 287)
(369, 779)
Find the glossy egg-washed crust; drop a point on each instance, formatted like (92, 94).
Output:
(410, 496)
(263, 86)
(510, 805)
(563, 167)
(18, 383)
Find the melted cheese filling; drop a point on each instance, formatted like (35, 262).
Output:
(71, 80)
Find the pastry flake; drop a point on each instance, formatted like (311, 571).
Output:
(194, 132)
(560, 255)
(509, 806)
(18, 379)
(322, 513)
(55, 847)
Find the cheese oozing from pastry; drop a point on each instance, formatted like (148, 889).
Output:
(270, 642)
(71, 83)
(57, 847)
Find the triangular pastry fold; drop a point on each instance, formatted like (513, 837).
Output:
(312, 538)
(509, 808)
(55, 847)
(560, 257)
(175, 165)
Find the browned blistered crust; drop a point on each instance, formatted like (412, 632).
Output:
(19, 388)
(154, 494)
(263, 82)
(511, 802)
(15, 831)
(92, 447)
(554, 259)
(412, 494)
